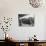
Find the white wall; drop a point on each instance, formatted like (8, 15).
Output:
(12, 8)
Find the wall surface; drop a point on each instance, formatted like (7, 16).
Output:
(11, 8)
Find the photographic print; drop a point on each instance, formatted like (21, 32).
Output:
(25, 20)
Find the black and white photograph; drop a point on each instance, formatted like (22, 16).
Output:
(26, 20)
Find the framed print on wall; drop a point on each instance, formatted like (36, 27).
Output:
(26, 20)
